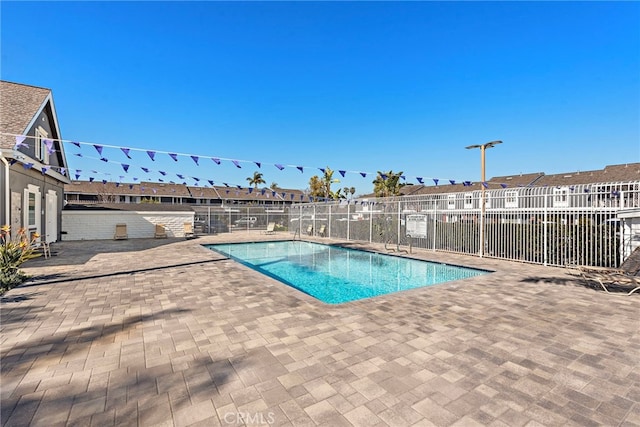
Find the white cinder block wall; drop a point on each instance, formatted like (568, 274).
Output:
(97, 225)
(631, 230)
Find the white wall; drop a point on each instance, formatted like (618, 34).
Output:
(631, 230)
(97, 225)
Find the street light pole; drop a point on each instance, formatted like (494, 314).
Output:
(483, 148)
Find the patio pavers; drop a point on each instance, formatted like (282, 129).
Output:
(148, 332)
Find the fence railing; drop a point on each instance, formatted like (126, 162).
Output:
(221, 219)
(542, 225)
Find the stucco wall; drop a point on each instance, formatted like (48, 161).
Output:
(97, 225)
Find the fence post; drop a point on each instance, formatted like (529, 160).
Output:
(435, 223)
(370, 226)
(348, 220)
(545, 224)
(482, 213)
(399, 219)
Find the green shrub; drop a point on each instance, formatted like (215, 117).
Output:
(14, 252)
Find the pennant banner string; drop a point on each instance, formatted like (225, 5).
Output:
(152, 153)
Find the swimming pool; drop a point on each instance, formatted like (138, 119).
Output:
(336, 275)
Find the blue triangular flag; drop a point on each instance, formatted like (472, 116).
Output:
(49, 144)
(20, 142)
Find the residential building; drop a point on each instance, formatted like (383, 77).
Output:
(33, 166)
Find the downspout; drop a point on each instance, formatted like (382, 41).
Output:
(6, 189)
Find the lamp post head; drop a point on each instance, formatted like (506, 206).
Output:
(483, 146)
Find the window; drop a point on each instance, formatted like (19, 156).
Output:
(41, 151)
(560, 197)
(511, 199)
(31, 210)
(468, 200)
(451, 201)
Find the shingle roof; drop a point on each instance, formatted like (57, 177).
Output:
(612, 173)
(18, 105)
(176, 190)
(125, 189)
(516, 180)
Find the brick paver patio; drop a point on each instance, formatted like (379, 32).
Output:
(166, 332)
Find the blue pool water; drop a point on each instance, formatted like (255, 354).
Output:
(336, 275)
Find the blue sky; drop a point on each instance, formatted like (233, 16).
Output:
(356, 86)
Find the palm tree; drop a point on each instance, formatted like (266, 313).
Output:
(274, 186)
(387, 184)
(321, 187)
(327, 180)
(316, 187)
(256, 179)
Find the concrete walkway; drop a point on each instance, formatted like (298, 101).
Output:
(167, 332)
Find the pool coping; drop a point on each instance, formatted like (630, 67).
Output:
(343, 246)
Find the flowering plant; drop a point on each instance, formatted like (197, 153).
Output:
(14, 252)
